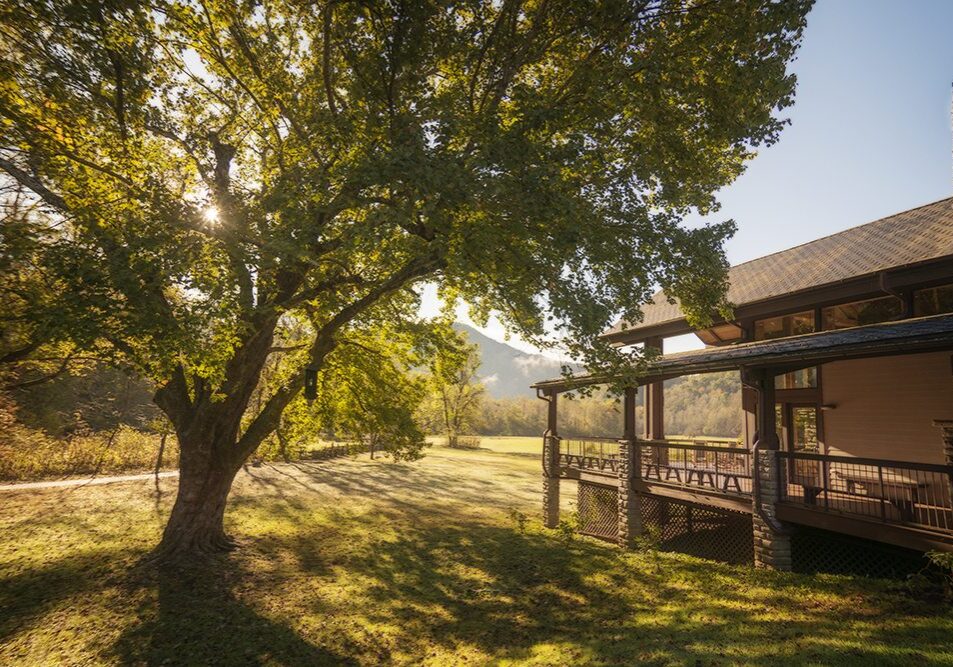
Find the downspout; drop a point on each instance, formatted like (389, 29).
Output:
(546, 434)
(893, 291)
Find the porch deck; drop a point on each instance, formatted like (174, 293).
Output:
(904, 503)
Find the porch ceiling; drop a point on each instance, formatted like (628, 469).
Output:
(874, 340)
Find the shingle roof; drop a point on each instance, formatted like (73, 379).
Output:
(903, 337)
(918, 235)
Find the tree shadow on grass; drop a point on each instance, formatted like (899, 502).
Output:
(193, 617)
(527, 596)
(27, 595)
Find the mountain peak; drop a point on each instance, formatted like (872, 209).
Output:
(506, 371)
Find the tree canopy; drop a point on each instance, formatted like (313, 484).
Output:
(210, 174)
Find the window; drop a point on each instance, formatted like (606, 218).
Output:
(804, 428)
(786, 325)
(806, 378)
(933, 301)
(860, 313)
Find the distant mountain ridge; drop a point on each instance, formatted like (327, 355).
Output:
(507, 372)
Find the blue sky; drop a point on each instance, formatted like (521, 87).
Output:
(869, 135)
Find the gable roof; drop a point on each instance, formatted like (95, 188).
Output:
(911, 237)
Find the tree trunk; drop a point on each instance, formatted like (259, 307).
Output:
(196, 525)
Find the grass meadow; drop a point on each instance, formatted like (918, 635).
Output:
(437, 562)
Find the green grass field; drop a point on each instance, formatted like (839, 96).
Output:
(505, 444)
(372, 562)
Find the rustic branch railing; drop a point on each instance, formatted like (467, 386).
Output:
(898, 492)
(589, 453)
(717, 467)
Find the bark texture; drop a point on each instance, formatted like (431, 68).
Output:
(196, 525)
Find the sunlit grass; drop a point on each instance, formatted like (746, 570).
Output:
(361, 562)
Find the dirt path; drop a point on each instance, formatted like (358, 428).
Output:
(88, 481)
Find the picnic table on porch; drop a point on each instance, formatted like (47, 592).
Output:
(899, 490)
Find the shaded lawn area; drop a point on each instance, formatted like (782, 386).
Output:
(372, 562)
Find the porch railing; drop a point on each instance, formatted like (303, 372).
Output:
(697, 464)
(590, 453)
(890, 491)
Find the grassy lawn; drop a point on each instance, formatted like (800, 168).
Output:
(505, 444)
(361, 562)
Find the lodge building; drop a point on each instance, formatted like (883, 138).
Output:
(844, 350)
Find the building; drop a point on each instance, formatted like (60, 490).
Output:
(844, 349)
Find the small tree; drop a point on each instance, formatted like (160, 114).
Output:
(456, 394)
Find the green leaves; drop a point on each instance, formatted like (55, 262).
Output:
(535, 159)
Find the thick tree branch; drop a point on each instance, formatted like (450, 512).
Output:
(34, 184)
(324, 342)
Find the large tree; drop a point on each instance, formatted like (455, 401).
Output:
(212, 170)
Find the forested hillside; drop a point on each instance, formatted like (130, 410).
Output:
(695, 406)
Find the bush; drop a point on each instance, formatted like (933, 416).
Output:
(467, 442)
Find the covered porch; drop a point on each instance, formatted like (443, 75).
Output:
(869, 454)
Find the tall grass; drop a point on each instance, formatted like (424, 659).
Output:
(31, 454)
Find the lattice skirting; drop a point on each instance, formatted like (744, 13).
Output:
(705, 532)
(815, 550)
(598, 507)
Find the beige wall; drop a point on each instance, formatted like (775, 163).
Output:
(885, 407)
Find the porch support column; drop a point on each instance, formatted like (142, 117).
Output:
(630, 511)
(946, 431)
(654, 426)
(551, 465)
(772, 540)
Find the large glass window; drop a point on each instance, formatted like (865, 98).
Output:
(806, 378)
(785, 325)
(859, 313)
(933, 301)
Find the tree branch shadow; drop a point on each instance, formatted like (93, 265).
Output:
(194, 617)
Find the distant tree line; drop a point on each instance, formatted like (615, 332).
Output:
(701, 405)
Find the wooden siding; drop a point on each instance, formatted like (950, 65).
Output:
(885, 406)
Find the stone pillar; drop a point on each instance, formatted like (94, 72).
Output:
(550, 480)
(772, 540)
(630, 511)
(772, 547)
(946, 431)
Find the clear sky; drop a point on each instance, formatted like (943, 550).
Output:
(869, 136)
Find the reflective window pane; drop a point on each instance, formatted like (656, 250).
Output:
(859, 313)
(933, 301)
(805, 378)
(785, 325)
(804, 428)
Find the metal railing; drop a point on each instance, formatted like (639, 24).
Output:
(697, 464)
(589, 453)
(898, 492)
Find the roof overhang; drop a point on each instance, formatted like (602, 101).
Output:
(923, 334)
(853, 287)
